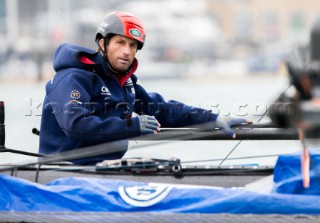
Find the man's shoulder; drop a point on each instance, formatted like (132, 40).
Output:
(67, 55)
(75, 73)
(71, 75)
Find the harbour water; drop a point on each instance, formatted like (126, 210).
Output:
(246, 96)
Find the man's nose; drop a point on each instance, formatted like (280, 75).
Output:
(126, 49)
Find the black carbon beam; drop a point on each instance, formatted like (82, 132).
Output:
(2, 129)
(242, 134)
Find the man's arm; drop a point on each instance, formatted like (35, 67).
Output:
(72, 108)
(177, 114)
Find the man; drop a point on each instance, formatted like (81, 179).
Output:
(93, 95)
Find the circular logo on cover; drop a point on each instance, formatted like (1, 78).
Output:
(145, 195)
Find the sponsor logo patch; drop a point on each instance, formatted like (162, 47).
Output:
(135, 33)
(144, 196)
(129, 82)
(75, 94)
(105, 91)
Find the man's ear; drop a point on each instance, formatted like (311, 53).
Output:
(101, 43)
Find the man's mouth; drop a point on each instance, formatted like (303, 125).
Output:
(124, 60)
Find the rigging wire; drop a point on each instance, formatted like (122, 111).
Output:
(267, 110)
(234, 158)
(108, 148)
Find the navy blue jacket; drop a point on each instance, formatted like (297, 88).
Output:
(87, 104)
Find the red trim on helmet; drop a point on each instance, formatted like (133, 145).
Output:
(132, 26)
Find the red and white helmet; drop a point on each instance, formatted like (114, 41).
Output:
(122, 23)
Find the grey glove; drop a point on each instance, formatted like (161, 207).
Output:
(148, 124)
(226, 122)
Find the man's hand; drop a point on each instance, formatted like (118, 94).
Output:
(226, 122)
(148, 124)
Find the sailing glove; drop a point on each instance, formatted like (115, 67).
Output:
(148, 124)
(226, 122)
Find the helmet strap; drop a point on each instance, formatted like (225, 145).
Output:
(104, 50)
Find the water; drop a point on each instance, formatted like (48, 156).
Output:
(221, 94)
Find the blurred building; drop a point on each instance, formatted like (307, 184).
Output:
(242, 35)
(263, 30)
(266, 20)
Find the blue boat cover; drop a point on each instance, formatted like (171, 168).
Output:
(103, 195)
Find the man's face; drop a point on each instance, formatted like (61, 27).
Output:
(121, 52)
